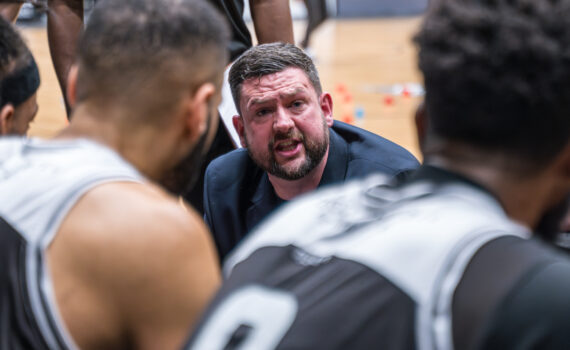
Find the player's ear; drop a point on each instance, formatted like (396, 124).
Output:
(72, 86)
(326, 104)
(6, 118)
(421, 122)
(198, 108)
(237, 120)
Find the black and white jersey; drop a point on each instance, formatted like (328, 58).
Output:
(373, 266)
(40, 181)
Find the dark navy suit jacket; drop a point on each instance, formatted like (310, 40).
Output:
(238, 194)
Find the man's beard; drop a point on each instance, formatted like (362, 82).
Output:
(315, 151)
(185, 174)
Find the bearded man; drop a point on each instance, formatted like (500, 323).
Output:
(292, 144)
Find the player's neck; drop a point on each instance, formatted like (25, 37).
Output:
(289, 189)
(524, 198)
(132, 143)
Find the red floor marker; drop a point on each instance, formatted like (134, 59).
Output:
(388, 100)
(340, 88)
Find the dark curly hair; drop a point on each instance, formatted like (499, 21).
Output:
(497, 74)
(14, 54)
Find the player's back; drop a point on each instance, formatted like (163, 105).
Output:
(359, 267)
(40, 181)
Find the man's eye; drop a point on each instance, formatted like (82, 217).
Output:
(297, 104)
(262, 112)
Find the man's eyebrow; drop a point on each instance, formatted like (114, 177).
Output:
(292, 92)
(259, 101)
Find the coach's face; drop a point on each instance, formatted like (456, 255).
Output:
(284, 124)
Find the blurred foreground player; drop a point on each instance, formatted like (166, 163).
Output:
(93, 254)
(447, 259)
(19, 82)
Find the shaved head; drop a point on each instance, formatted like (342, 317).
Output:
(145, 54)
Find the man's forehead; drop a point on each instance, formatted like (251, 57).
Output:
(291, 81)
(288, 77)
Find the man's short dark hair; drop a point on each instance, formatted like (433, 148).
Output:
(14, 54)
(147, 52)
(267, 59)
(497, 74)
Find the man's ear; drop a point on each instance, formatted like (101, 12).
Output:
(6, 118)
(326, 104)
(238, 125)
(421, 120)
(198, 107)
(72, 86)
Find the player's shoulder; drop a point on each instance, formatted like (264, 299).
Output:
(315, 214)
(133, 216)
(11, 146)
(534, 314)
(138, 252)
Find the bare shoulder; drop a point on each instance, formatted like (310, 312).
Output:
(150, 261)
(138, 209)
(126, 221)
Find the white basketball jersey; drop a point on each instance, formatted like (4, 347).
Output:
(40, 181)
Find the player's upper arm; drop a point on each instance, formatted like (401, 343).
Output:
(272, 21)
(150, 260)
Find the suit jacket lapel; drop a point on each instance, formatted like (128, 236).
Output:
(263, 202)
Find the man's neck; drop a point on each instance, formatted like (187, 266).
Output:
(524, 198)
(289, 189)
(132, 144)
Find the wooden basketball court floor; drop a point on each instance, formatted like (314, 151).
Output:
(364, 64)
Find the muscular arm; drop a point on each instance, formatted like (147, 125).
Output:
(65, 22)
(131, 267)
(10, 11)
(272, 20)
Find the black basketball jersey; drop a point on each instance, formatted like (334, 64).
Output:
(40, 181)
(373, 266)
(233, 12)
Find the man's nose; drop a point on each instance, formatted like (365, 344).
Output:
(282, 121)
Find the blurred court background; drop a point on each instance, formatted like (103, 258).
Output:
(364, 54)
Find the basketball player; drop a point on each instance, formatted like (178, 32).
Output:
(448, 259)
(93, 254)
(64, 23)
(19, 82)
(316, 15)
